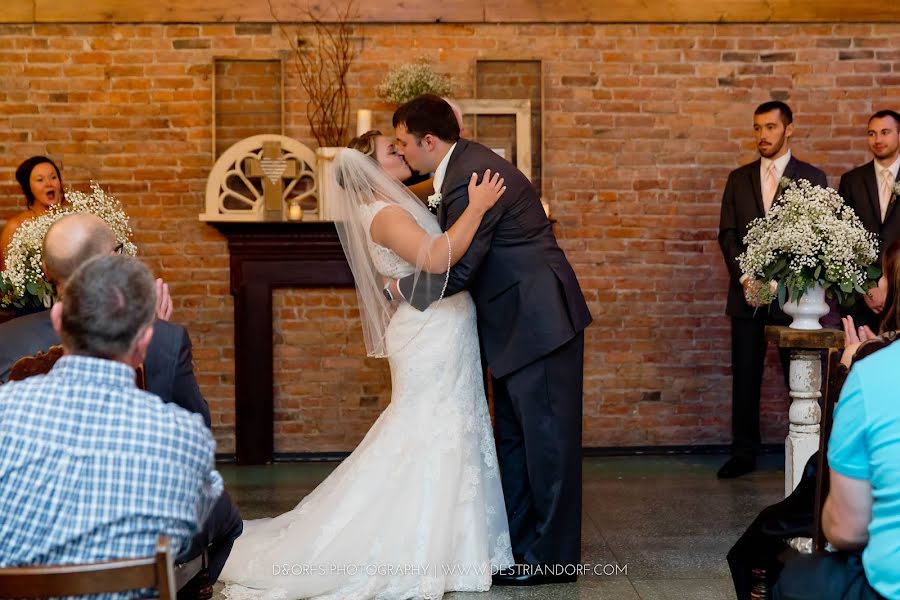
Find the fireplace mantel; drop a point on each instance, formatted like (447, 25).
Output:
(266, 256)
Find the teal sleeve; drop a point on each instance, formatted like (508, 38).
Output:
(847, 449)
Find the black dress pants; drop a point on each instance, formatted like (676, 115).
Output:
(748, 356)
(222, 527)
(825, 576)
(764, 544)
(537, 413)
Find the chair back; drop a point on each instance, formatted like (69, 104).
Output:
(42, 362)
(38, 364)
(93, 578)
(837, 375)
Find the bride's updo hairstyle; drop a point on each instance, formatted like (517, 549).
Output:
(366, 143)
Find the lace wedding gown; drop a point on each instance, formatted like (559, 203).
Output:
(417, 509)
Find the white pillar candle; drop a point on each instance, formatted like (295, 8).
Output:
(363, 121)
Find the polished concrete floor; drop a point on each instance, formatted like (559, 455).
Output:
(664, 523)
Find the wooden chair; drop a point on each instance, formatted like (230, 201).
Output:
(837, 375)
(93, 578)
(197, 568)
(38, 364)
(42, 362)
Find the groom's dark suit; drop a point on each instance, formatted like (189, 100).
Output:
(531, 318)
(742, 202)
(169, 373)
(859, 189)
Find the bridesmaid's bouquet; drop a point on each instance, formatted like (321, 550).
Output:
(810, 237)
(23, 284)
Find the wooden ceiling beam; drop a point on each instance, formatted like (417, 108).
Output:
(453, 11)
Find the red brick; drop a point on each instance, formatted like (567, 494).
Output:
(641, 124)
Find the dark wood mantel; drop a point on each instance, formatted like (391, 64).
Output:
(266, 256)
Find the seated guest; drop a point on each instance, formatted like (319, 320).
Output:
(91, 467)
(168, 364)
(861, 517)
(764, 545)
(758, 555)
(854, 335)
(41, 184)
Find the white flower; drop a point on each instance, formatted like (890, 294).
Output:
(407, 81)
(810, 236)
(23, 283)
(434, 200)
(897, 188)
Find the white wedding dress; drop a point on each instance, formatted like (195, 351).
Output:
(417, 509)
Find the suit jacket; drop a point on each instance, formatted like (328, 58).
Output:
(168, 366)
(859, 189)
(741, 203)
(528, 299)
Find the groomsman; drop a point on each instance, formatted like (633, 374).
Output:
(750, 192)
(869, 190)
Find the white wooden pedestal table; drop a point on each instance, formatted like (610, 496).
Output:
(806, 388)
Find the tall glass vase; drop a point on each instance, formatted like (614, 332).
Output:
(808, 310)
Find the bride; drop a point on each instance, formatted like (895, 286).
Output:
(417, 509)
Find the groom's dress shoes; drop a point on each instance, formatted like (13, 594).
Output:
(523, 575)
(737, 466)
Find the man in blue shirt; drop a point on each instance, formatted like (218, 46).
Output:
(861, 517)
(168, 365)
(91, 467)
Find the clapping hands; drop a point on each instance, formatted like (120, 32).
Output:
(163, 301)
(853, 337)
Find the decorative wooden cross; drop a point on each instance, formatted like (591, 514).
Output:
(273, 170)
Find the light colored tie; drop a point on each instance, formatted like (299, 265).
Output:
(885, 190)
(770, 186)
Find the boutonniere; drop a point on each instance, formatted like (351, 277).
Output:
(783, 184)
(434, 200)
(895, 193)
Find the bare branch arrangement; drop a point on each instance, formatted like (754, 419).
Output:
(322, 66)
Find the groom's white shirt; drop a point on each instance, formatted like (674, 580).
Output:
(437, 183)
(441, 170)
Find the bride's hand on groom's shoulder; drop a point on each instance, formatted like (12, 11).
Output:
(483, 196)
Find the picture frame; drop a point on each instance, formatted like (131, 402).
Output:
(502, 147)
(521, 110)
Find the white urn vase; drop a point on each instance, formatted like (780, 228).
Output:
(809, 309)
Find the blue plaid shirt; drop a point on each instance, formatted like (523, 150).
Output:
(94, 469)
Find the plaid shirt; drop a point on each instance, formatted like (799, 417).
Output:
(94, 469)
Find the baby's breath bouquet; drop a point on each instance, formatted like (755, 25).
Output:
(23, 283)
(810, 237)
(407, 81)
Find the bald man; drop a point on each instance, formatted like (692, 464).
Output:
(69, 242)
(168, 366)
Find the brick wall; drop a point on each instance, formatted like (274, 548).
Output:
(247, 100)
(642, 125)
(510, 79)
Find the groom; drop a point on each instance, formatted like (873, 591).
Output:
(531, 320)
